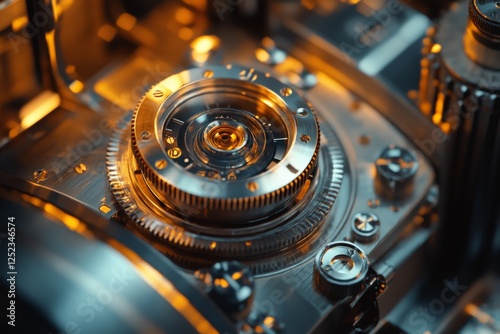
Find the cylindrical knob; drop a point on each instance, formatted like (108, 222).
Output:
(396, 168)
(231, 285)
(485, 15)
(482, 36)
(340, 269)
(365, 227)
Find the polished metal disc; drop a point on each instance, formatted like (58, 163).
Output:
(226, 160)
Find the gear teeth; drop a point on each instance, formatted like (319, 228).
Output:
(235, 247)
(172, 233)
(444, 97)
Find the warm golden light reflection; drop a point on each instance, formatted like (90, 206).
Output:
(268, 43)
(479, 314)
(184, 16)
(72, 223)
(61, 6)
(166, 289)
(205, 43)
(70, 69)
(331, 83)
(37, 108)
(19, 23)
(150, 275)
(436, 48)
(171, 84)
(126, 21)
(104, 208)
(106, 32)
(426, 108)
(438, 116)
(221, 282)
(76, 86)
(290, 65)
(185, 33)
(309, 4)
(262, 55)
(51, 44)
(202, 47)
(445, 127)
(269, 321)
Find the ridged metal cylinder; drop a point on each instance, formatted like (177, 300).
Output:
(463, 98)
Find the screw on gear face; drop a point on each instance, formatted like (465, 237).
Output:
(224, 163)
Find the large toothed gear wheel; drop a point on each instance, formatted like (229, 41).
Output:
(232, 126)
(225, 160)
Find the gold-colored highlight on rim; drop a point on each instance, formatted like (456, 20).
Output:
(166, 289)
(150, 275)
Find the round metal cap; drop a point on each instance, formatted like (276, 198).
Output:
(396, 168)
(340, 269)
(485, 15)
(365, 227)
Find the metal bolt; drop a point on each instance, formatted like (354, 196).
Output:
(303, 112)
(174, 153)
(373, 203)
(286, 91)
(365, 227)
(80, 168)
(146, 135)
(157, 93)
(40, 175)
(305, 138)
(104, 208)
(364, 140)
(396, 168)
(161, 164)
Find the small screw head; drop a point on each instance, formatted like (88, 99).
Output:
(146, 135)
(40, 175)
(365, 227)
(286, 91)
(157, 93)
(80, 168)
(161, 163)
(305, 138)
(303, 112)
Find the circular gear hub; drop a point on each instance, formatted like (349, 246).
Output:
(224, 160)
(224, 145)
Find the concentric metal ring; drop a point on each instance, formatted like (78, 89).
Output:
(189, 224)
(168, 108)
